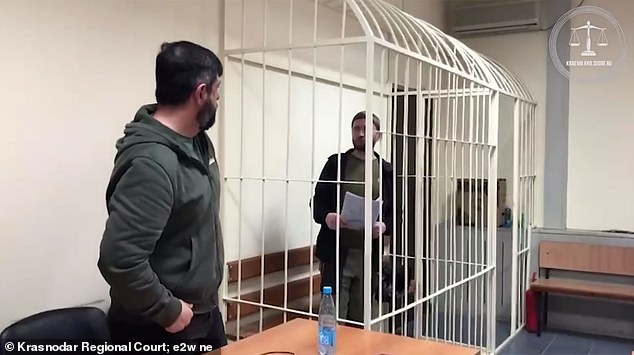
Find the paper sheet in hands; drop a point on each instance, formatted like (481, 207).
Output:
(354, 208)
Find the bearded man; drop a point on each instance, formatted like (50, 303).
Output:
(162, 250)
(351, 241)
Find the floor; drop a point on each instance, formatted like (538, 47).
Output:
(561, 343)
(551, 342)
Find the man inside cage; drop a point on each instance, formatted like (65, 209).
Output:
(351, 241)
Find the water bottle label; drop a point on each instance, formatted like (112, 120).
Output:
(327, 337)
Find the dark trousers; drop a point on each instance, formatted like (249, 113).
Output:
(350, 288)
(204, 329)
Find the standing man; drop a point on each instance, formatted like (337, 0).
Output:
(351, 241)
(162, 251)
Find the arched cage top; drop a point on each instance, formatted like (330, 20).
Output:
(392, 27)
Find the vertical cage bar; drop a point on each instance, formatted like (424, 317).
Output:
(241, 182)
(483, 115)
(516, 206)
(446, 222)
(420, 163)
(390, 129)
(494, 107)
(338, 265)
(523, 218)
(463, 139)
(522, 161)
(222, 128)
(477, 251)
(263, 157)
(405, 185)
(438, 86)
(289, 74)
(382, 238)
(533, 162)
(339, 127)
(470, 255)
(312, 155)
(454, 233)
(520, 233)
(532, 194)
(428, 200)
(367, 261)
(395, 157)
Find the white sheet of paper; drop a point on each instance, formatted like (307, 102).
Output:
(354, 208)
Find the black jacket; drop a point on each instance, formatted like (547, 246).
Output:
(325, 201)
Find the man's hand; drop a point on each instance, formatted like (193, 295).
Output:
(183, 319)
(378, 230)
(331, 221)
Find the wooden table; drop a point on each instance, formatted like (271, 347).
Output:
(299, 337)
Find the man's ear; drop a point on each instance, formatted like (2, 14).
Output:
(378, 136)
(200, 94)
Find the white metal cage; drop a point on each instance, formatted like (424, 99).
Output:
(296, 71)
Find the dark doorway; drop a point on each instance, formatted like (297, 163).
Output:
(404, 146)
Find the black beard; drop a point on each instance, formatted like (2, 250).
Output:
(206, 117)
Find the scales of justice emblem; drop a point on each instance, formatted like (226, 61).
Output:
(574, 38)
(591, 36)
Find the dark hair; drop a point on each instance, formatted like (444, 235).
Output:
(180, 67)
(361, 116)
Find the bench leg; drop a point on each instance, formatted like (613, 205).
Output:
(545, 308)
(538, 296)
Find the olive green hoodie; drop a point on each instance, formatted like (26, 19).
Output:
(162, 240)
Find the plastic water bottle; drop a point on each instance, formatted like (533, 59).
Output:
(327, 323)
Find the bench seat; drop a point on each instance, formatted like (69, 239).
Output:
(584, 288)
(582, 258)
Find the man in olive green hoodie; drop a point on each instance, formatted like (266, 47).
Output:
(162, 250)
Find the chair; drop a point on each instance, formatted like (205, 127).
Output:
(75, 323)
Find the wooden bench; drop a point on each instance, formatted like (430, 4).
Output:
(298, 291)
(586, 258)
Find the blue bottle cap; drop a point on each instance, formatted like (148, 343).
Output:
(327, 290)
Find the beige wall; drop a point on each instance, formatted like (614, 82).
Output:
(432, 11)
(600, 142)
(73, 73)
